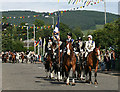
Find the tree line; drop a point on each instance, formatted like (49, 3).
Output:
(106, 37)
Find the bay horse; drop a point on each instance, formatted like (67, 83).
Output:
(57, 64)
(5, 58)
(93, 59)
(48, 63)
(13, 57)
(69, 61)
(22, 57)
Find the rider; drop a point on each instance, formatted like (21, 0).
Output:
(69, 37)
(79, 45)
(89, 46)
(49, 44)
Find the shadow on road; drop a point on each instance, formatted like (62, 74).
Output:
(114, 73)
(54, 81)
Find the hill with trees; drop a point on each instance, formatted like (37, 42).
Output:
(81, 18)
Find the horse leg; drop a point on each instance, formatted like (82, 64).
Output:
(67, 75)
(86, 72)
(78, 71)
(13, 60)
(59, 72)
(81, 73)
(51, 72)
(96, 75)
(90, 73)
(73, 81)
(62, 71)
(47, 73)
(47, 69)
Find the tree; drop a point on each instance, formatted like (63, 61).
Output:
(77, 31)
(39, 23)
(109, 36)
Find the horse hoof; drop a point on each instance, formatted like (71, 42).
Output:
(95, 83)
(47, 77)
(87, 81)
(81, 79)
(52, 77)
(58, 80)
(73, 84)
(90, 82)
(67, 83)
(65, 80)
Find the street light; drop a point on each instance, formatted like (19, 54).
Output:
(52, 18)
(105, 10)
(34, 38)
(27, 36)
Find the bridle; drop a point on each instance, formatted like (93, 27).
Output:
(98, 55)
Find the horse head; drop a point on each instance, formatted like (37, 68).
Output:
(97, 53)
(69, 48)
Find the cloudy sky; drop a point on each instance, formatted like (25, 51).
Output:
(54, 5)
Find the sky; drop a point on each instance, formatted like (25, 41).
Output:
(54, 5)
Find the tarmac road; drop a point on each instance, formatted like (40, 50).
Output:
(32, 77)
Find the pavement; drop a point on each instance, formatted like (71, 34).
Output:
(33, 77)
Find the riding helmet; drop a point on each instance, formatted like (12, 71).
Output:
(70, 34)
(90, 36)
(79, 38)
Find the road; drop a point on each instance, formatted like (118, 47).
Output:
(32, 77)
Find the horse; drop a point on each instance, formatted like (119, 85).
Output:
(17, 57)
(69, 61)
(5, 58)
(48, 63)
(28, 57)
(13, 57)
(57, 64)
(81, 63)
(92, 62)
(22, 57)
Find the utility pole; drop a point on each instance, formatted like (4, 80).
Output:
(38, 49)
(34, 40)
(59, 38)
(26, 25)
(27, 39)
(44, 47)
(53, 22)
(105, 10)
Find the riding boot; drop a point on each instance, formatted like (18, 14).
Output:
(85, 61)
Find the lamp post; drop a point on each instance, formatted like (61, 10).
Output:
(27, 36)
(105, 10)
(26, 25)
(53, 21)
(34, 39)
(52, 18)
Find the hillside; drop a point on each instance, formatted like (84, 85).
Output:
(86, 20)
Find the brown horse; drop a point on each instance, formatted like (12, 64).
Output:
(5, 58)
(92, 62)
(69, 61)
(13, 57)
(22, 57)
(49, 63)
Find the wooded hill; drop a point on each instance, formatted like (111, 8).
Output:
(86, 20)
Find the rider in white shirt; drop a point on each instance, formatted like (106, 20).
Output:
(49, 43)
(90, 45)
